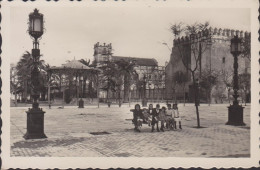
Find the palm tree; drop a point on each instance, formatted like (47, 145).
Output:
(118, 82)
(25, 66)
(85, 62)
(108, 83)
(13, 83)
(177, 29)
(50, 80)
(127, 70)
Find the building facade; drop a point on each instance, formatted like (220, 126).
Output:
(214, 69)
(147, 70)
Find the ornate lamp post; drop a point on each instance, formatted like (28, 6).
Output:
(235, 111)
(81, 102)
(35, 115)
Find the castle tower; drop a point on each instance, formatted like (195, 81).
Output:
(102, 53)
(215, 58)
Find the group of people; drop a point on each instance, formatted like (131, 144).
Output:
(167, 117)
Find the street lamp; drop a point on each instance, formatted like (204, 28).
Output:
(81, 102)
(35, 115)
(235, 111)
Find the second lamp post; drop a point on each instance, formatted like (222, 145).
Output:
(235, 111)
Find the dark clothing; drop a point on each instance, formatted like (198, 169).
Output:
(137, 114)
(155, 115)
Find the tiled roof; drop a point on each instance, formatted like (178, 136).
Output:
(75, 64)
(139, 61)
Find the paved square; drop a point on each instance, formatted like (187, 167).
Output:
(69, 134)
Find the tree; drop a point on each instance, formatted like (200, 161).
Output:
(108, 71)
(24, 68)
(51, 80)
(127, 70)
(158, 81)
(181, 79)
(14, 84)
(197, 45)
(244, 85)
(139, 87)
(177, 29)
(227, 80)
(246, 47)
(85, 62)
(209, 78)
(118, 83)
(218, 93)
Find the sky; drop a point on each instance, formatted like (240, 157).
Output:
(137, 32)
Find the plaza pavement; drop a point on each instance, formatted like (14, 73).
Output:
(69, 134)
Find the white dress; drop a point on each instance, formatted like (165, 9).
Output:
(176, 115)
(169, 114)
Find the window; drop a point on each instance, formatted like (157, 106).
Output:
(223, 60)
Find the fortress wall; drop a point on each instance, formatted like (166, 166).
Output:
(213, 57)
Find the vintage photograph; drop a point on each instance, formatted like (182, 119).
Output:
(130, 81)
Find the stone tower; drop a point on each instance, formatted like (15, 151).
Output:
(215, 59)
(102, 53)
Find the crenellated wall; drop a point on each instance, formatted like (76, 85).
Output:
(216, 33)
(216, 56)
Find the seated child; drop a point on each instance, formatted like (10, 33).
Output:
(147, 117)
(162, 117)
(137, 117)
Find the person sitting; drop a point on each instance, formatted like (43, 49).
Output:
(154, 113)
(169, 119)
(137, 117)
(147, 117)
(176, 116)
(162, 118)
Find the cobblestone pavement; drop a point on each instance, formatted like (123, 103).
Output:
(69, 134)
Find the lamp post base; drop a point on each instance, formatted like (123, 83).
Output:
(235, 115)
(81, 103)
(35, 124)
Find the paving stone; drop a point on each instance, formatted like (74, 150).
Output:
(69, 129)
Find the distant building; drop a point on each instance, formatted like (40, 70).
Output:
(148, 67)
(216, 58)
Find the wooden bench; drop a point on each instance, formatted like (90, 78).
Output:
(144, 122)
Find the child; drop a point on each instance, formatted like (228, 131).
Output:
(162, 117)
(137, 114)
(147, 117)
(176, 116)
(154, 113)
(169, 120)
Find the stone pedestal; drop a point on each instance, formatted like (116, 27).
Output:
(81, 103)
(35, 124)
(235, 115)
